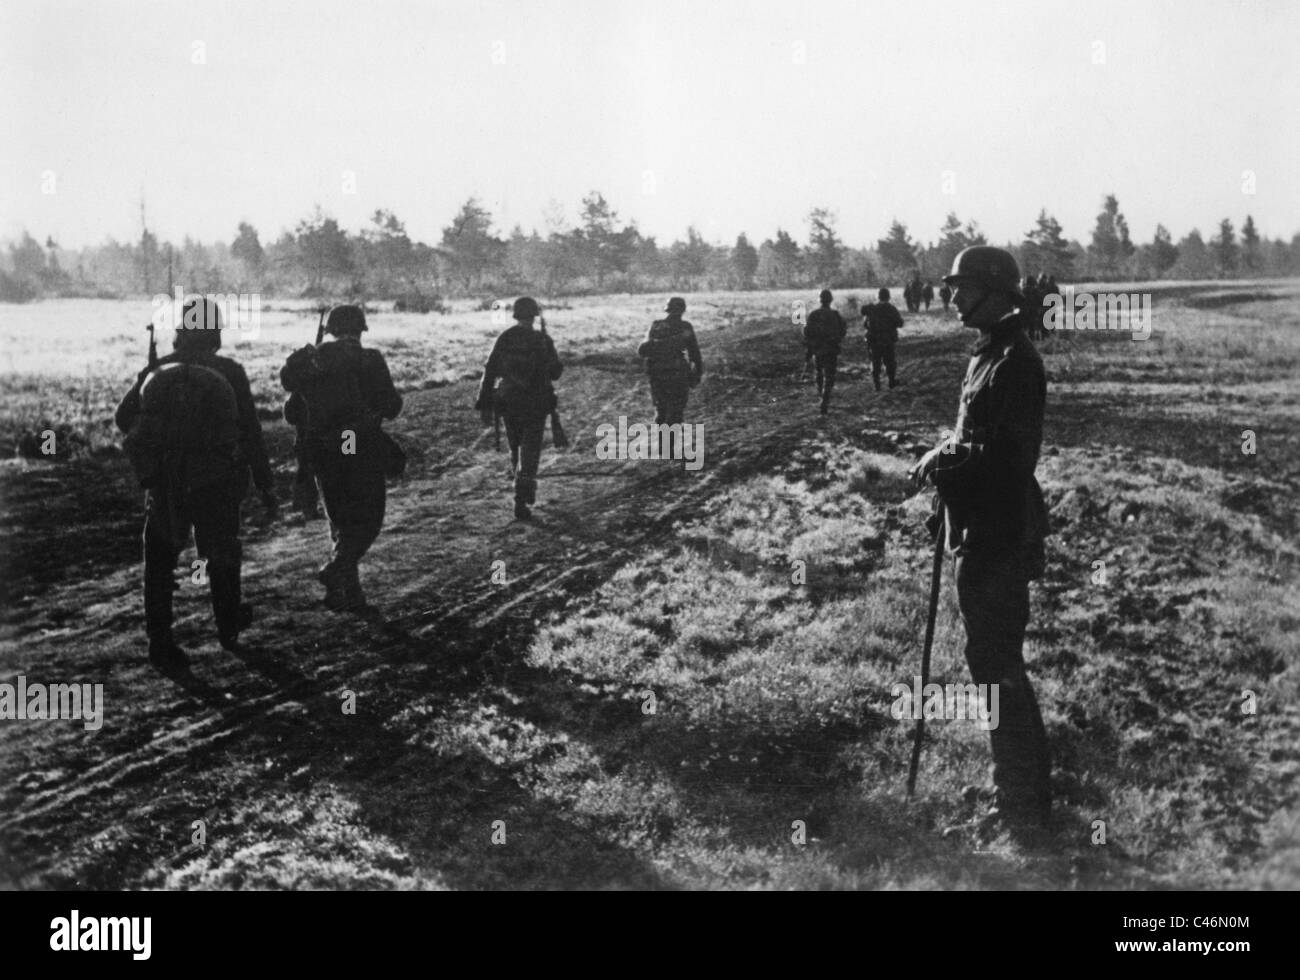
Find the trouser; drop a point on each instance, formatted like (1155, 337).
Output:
(670, 397)
(826, 368)
(305, 497)
(525, 430)
(883, 354)
(993, 597)
(212, 513)
(353, 490)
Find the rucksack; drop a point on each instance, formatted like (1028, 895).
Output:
(328, 385)
(187, 430)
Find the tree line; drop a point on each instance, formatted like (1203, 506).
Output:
(602, 253)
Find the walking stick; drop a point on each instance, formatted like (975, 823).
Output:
(935, 575)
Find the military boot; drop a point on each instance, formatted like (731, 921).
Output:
(330, 576)
(165, 654)
(354, 599)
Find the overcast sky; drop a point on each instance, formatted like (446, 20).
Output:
(730, 116)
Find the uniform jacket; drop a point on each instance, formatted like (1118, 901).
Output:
(824, 331)
(525, 363)
(252, 452)
(671, 351)
(992, 501)
(882, 322)
(342, 385)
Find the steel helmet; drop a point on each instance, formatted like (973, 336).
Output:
(200, 326)
(995, 269)
(825, 296)
(525, 307)
(676, 305)
(346, 320)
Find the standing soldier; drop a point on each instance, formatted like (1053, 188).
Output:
(927, 296)
(882, 322)
(995, 519)
(346, 393)
(525, 362)
(194, 438)
(1030, 308)
(945, 294)
(823, 334)
(673, 362)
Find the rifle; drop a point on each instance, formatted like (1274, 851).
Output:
(320, 326)
(936, 573)
(153, 341)
(558, 436)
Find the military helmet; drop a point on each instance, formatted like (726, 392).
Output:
(347, 319)
(676, 305)
(994, 269)
(200, 326)
(825, 296)
(882, 293)
(525, 307)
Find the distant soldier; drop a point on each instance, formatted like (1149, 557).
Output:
(525, 363)
(194, 439)
(673, 361)
(912, 293)
(945, 294)
(823, 335)
(882, 321)
(995, 520)
(927, 295)
(1031, 310)
(346, 394)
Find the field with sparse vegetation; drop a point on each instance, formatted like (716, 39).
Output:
(647, 698)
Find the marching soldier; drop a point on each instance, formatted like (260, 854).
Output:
(1031, 308)
(194, 439)
(673, 362)
(525, 363)
(823, 335)
(995, 519)
(345, 393)
(882, 322)
(927, 295)
(945, 294)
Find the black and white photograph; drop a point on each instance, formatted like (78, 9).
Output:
(566, 446)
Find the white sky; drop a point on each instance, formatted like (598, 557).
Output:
(708, 97)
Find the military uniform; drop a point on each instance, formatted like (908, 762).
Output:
(882, 322)
(525, 363)
(995, 520)
(674, 364)
(348, 391)
(945, 294)
(823, 335)
(200, 491)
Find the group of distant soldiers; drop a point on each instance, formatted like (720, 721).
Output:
(195, 441)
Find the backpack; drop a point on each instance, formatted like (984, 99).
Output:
(326, 391)
(187, 431)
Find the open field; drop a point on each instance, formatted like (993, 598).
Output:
(526, 701)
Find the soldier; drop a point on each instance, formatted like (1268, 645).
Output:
(927, 295)
(673, 362)
(525, 362)
(912, 294)
(945, 294)
(823, 335)
(346, 392)
(1031, 309)
(194, 437)
(882, 321)
(995, 519)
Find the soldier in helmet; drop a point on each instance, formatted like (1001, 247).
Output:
(1031, 307)
(517, 385)
(823, 335)
(945, 294)
(346, 392)
(927, 295)
(194, 437)
(882, 321)
(995, 519)
(673, 361)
